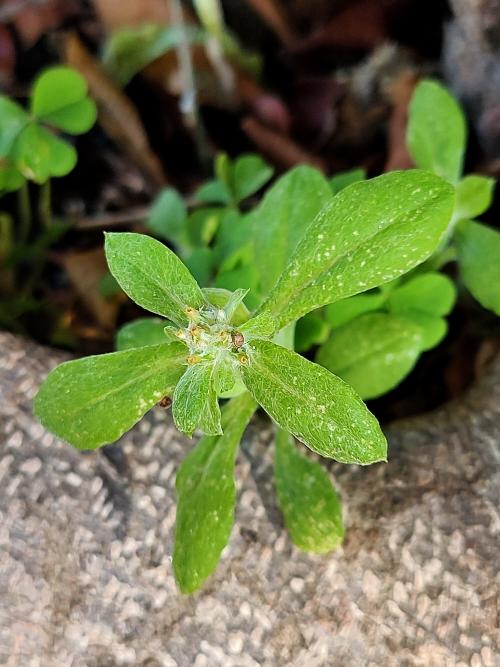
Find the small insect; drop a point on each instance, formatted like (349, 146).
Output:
(237, 338)
(165, 402)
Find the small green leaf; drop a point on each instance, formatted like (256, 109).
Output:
(195, 400)
(206, 497)
(39, 154)
(202, 225)
(93, 401)
(310, 330)
(283, 216)
(479, 261)
(315, 406)
(474, 196)
(430, 293)
(344, 311)
(234, 232)
(59, 98)
(432, 328)
(14, 119)
(225, 376)
(261, 326)
(345, 178)
(249, 175)
(436, 133)
(372, 353)
(141, 332)
(310, 504)
(213, 192)
(224, 171)
(168, 217)
(221, 297)
(152, 275)
(369, 234)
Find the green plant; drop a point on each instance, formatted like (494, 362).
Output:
(32, 150)
(391, 327)
(324, 248)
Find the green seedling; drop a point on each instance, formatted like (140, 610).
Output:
(32, 149)
(367, 235)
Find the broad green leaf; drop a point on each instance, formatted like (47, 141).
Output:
(93, 401)
(368, 235)
(372, 353)
(310, 504)
(168, 217)
(221, 297)
(249, 175)
(283, 216)
(141, 332)
(429, 293)
(344, 311)
(128, 50)
(206, 497)
(13, 119)
(245, 275)
(39, 154)
(261, 326)
(479, 261)
(473, 197)
(436, 133)
(310, 330)
(59, 98)
(195, 400)
(213, 192)
(341, 180)
(315, 406)
(152, 275)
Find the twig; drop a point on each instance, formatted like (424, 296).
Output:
(105, 220)
(280, 149)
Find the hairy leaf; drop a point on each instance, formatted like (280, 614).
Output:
(206, 496)
(373, 353)
(315, 406)
(93, 401)
(479, 262)
(152, 275)
(141, 332)
(436, 133)
(310, 504)
(195, 400)
(369, 234)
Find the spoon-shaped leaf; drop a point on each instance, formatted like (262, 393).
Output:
(91, 402)
(310, 504)
(152, 275)
(312, 404)
(206, 496)
(369, 234)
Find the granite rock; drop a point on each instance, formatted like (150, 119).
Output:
(86, 544)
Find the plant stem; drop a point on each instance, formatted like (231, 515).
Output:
(45, 205)
(24, 212)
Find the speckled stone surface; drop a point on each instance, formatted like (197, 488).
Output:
(86, 543)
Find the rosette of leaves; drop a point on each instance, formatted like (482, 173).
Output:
(204, 344)
(30, 145)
